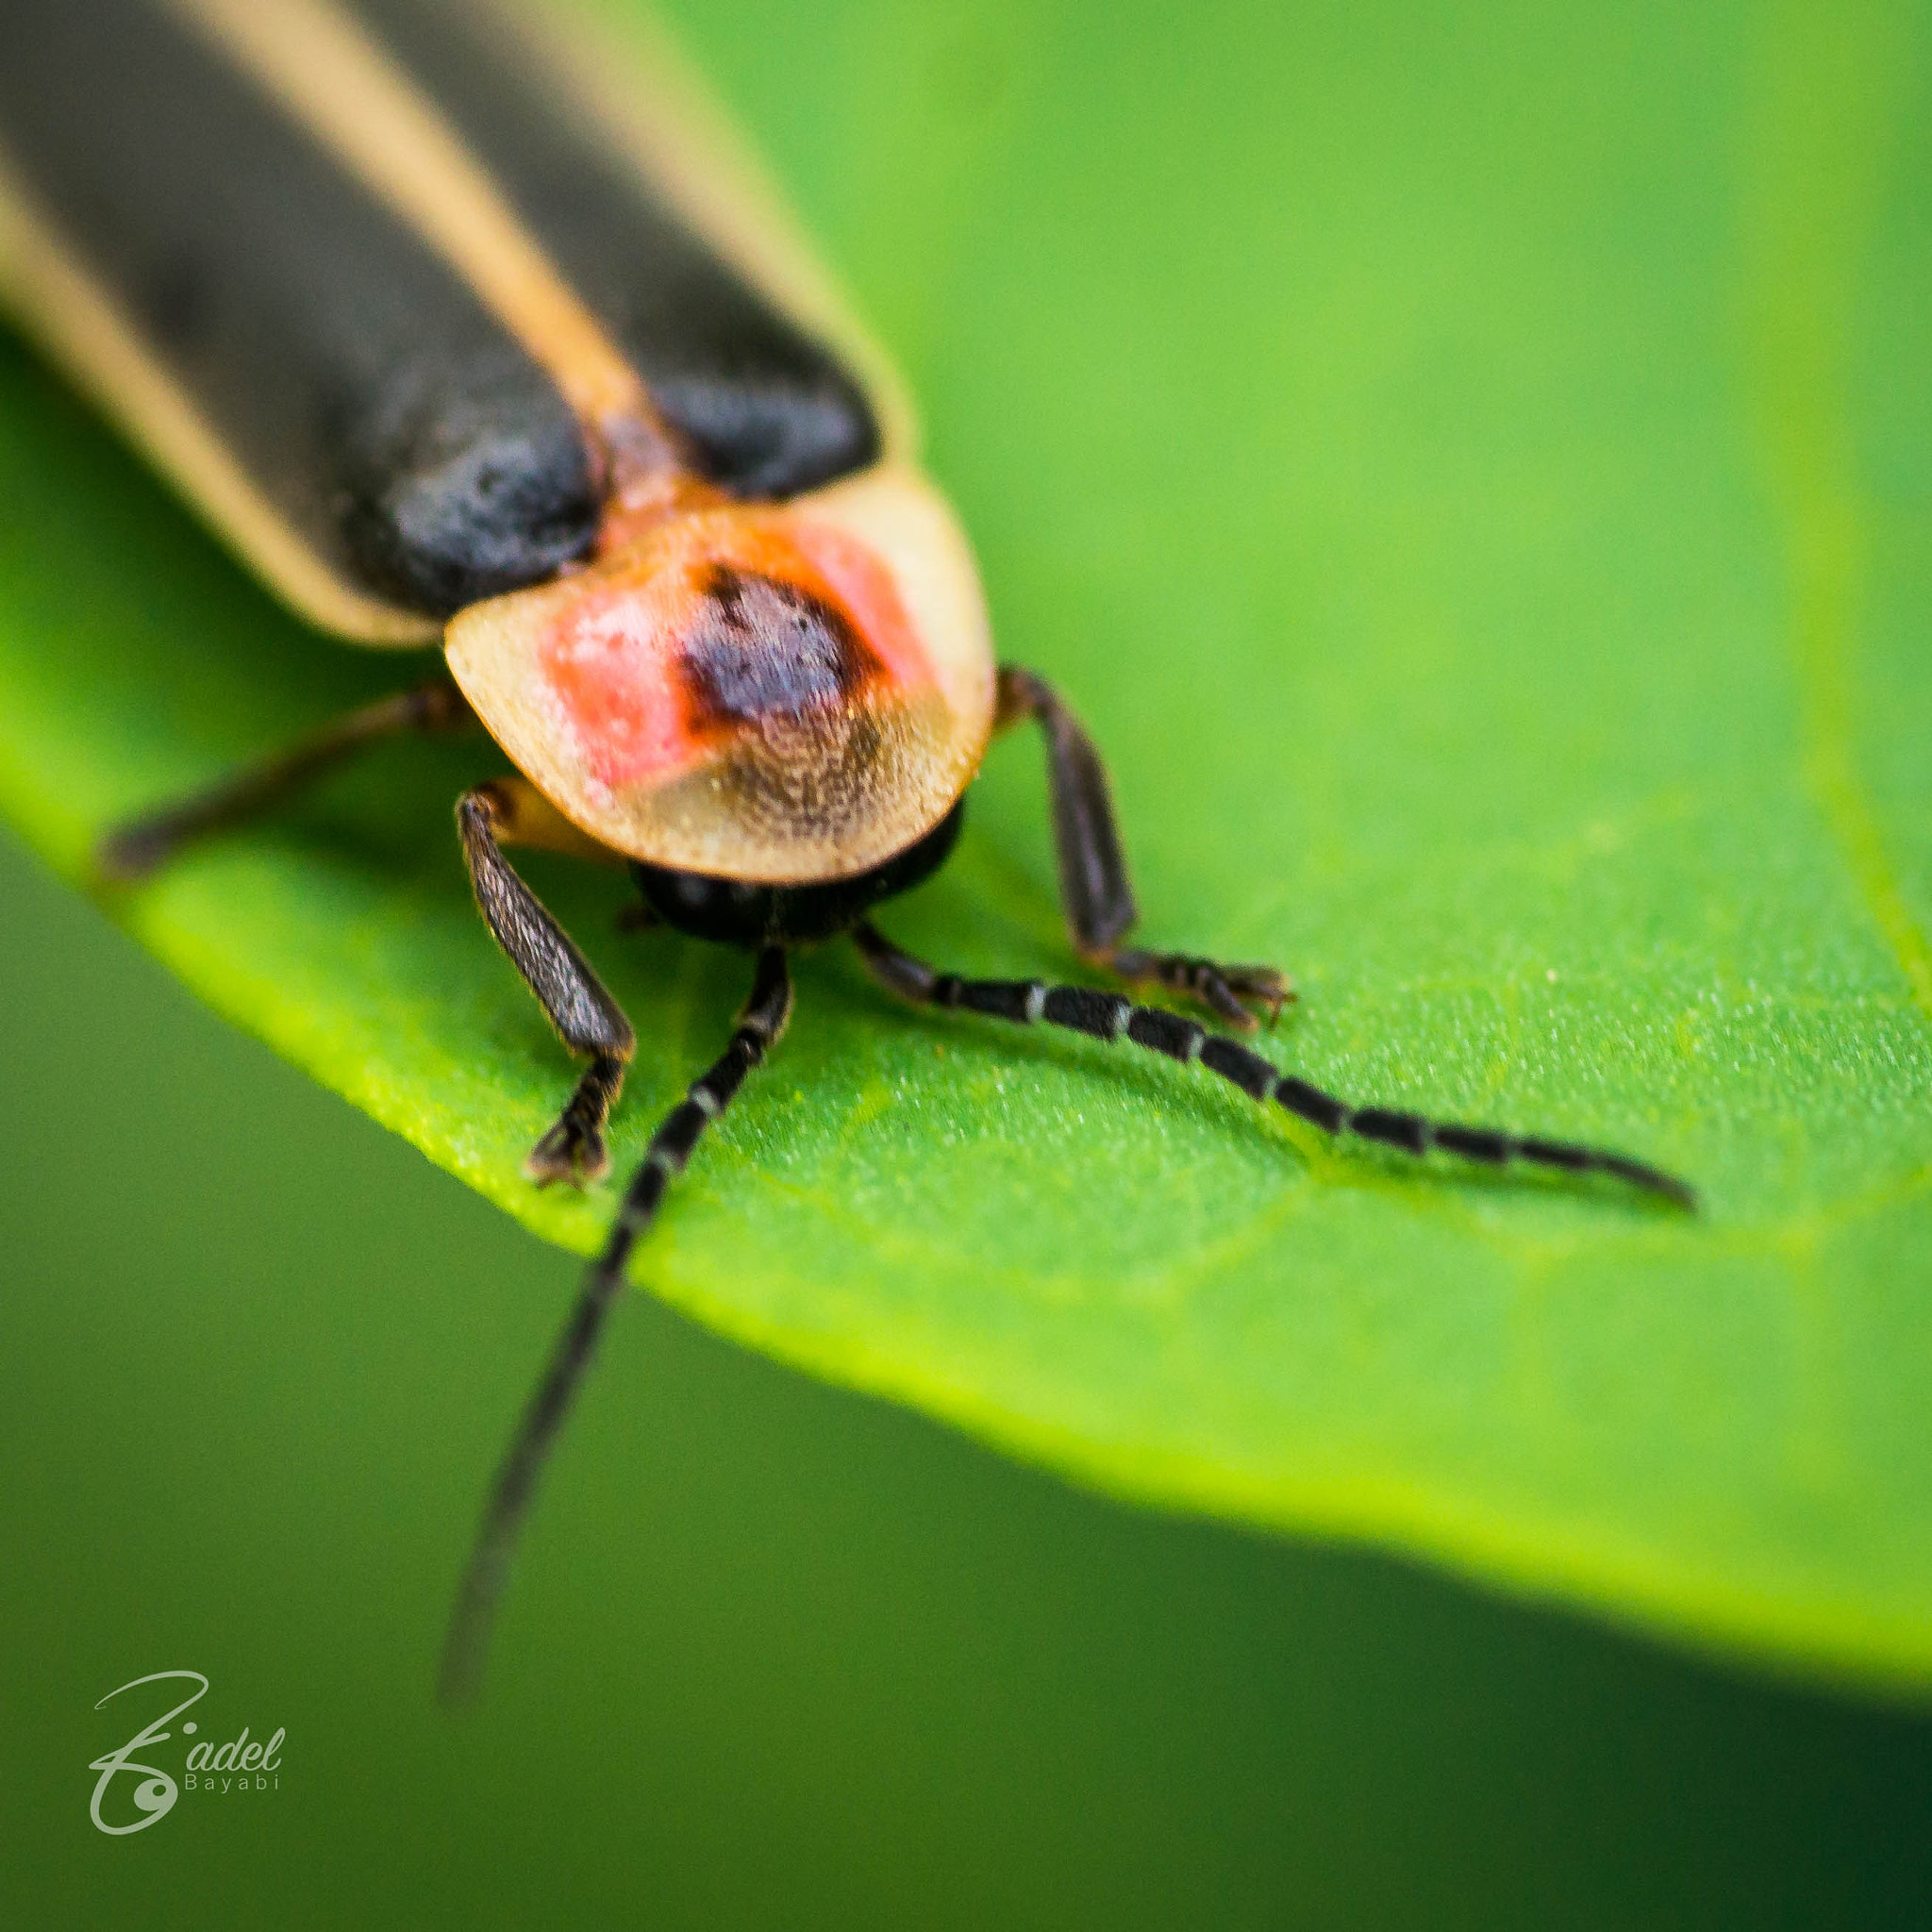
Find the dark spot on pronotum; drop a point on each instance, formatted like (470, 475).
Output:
(761, 649)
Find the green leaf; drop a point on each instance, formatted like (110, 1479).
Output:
(1473, 469)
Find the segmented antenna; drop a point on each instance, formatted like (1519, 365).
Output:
(1110, 1016)
(759, 1027)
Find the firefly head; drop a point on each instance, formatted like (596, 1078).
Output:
(784, 693)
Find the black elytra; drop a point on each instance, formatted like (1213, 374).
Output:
(353, 378)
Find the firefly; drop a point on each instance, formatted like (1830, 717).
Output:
(458, 334)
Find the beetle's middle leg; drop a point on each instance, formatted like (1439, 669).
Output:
(1096, 895)
(587, 1018)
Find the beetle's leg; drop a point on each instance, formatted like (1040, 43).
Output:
(587, 1018)
(1108, 1016)
(1095, 893)
(759, 1026)
(133, 850)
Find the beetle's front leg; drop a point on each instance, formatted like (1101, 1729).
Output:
(1095, 893)
(585, 1017)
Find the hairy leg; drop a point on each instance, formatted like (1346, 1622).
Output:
(587, 1020)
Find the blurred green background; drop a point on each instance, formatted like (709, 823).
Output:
(777, 1655)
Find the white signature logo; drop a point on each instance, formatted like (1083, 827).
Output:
(236, 1764)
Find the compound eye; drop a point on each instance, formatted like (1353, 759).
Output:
(779, 693)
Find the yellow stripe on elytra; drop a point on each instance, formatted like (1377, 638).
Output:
(320, 66)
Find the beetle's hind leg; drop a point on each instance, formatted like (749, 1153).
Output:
(1097, 895)
(587, 1018)
(142, 846)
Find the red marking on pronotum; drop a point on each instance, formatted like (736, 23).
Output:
(614, 654)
